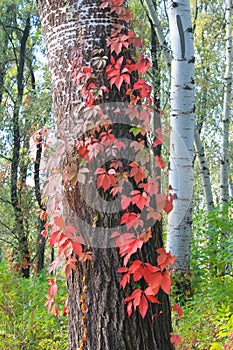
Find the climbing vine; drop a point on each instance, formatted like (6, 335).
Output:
(124, 66)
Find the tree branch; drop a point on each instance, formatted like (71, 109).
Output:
(6, 158)
(159, 32)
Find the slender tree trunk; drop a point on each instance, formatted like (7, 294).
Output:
(204, 170)
(182, 133)
(15, 195)
(224, 187)
(158, 30)
(66, 29)
(199, 147)
(230, 187)
(41, 239)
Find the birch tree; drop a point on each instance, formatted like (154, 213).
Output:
(204, 170)
(224, 161)
(182, 132)
(202, 161)
(83, 27)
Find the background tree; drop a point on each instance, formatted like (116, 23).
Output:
(182, 133)
(19, 119)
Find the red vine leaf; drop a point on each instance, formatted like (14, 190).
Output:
(166, 282)
(77, 248)
(175, 339)
(59, 221)
(143, 64)
(164, 259)
(125, 202)
(178, 309)
(136, 172)
(143, 306)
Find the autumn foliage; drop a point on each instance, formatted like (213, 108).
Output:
(144, 202)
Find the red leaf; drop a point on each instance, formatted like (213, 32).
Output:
(77, 248)
(124, 239)
(70, 229)
(178, 309)
(137, 172)
(43, 216)
(55, 237)
(44, 233)
(129, 249)
(143, 306)
(175, 339)
(166, 282)
(122, 269)
(129, 308)
(164, 259)
(55, 310)
(154, 280)
(128, 218)
(159, 162)
(117, 81)
(53, 290)
(125, 279)
(59, 221)
(168, 206)
(125, 202)
(140, 199)
(136, 296)
(145, 115)
(137, 269)
(104, 4)
(100, 171)
(143, 65)
(159, 138)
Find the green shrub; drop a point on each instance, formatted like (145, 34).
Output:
(24, 321)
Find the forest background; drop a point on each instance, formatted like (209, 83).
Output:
(26, 107)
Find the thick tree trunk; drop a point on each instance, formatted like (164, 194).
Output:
(224, 161)
(108, 326)
(66, 29)
(182, 133)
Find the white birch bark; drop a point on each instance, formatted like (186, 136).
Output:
(204, 171)
(230, 187)
(182, 133)
(204, 168)
(159, 31)
(224, 188)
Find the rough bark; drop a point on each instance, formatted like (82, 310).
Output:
(108, 327)
(182, 133)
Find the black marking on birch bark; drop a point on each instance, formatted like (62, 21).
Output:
(181, 33)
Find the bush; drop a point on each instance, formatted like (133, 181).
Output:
(24, 321)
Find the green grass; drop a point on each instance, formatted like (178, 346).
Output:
(24, 321)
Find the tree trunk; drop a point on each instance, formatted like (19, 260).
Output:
(158, 30)
(182, 133)
(106, 325)
(204, 170)
(41, 241)
(15, 165)
(224, 161)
